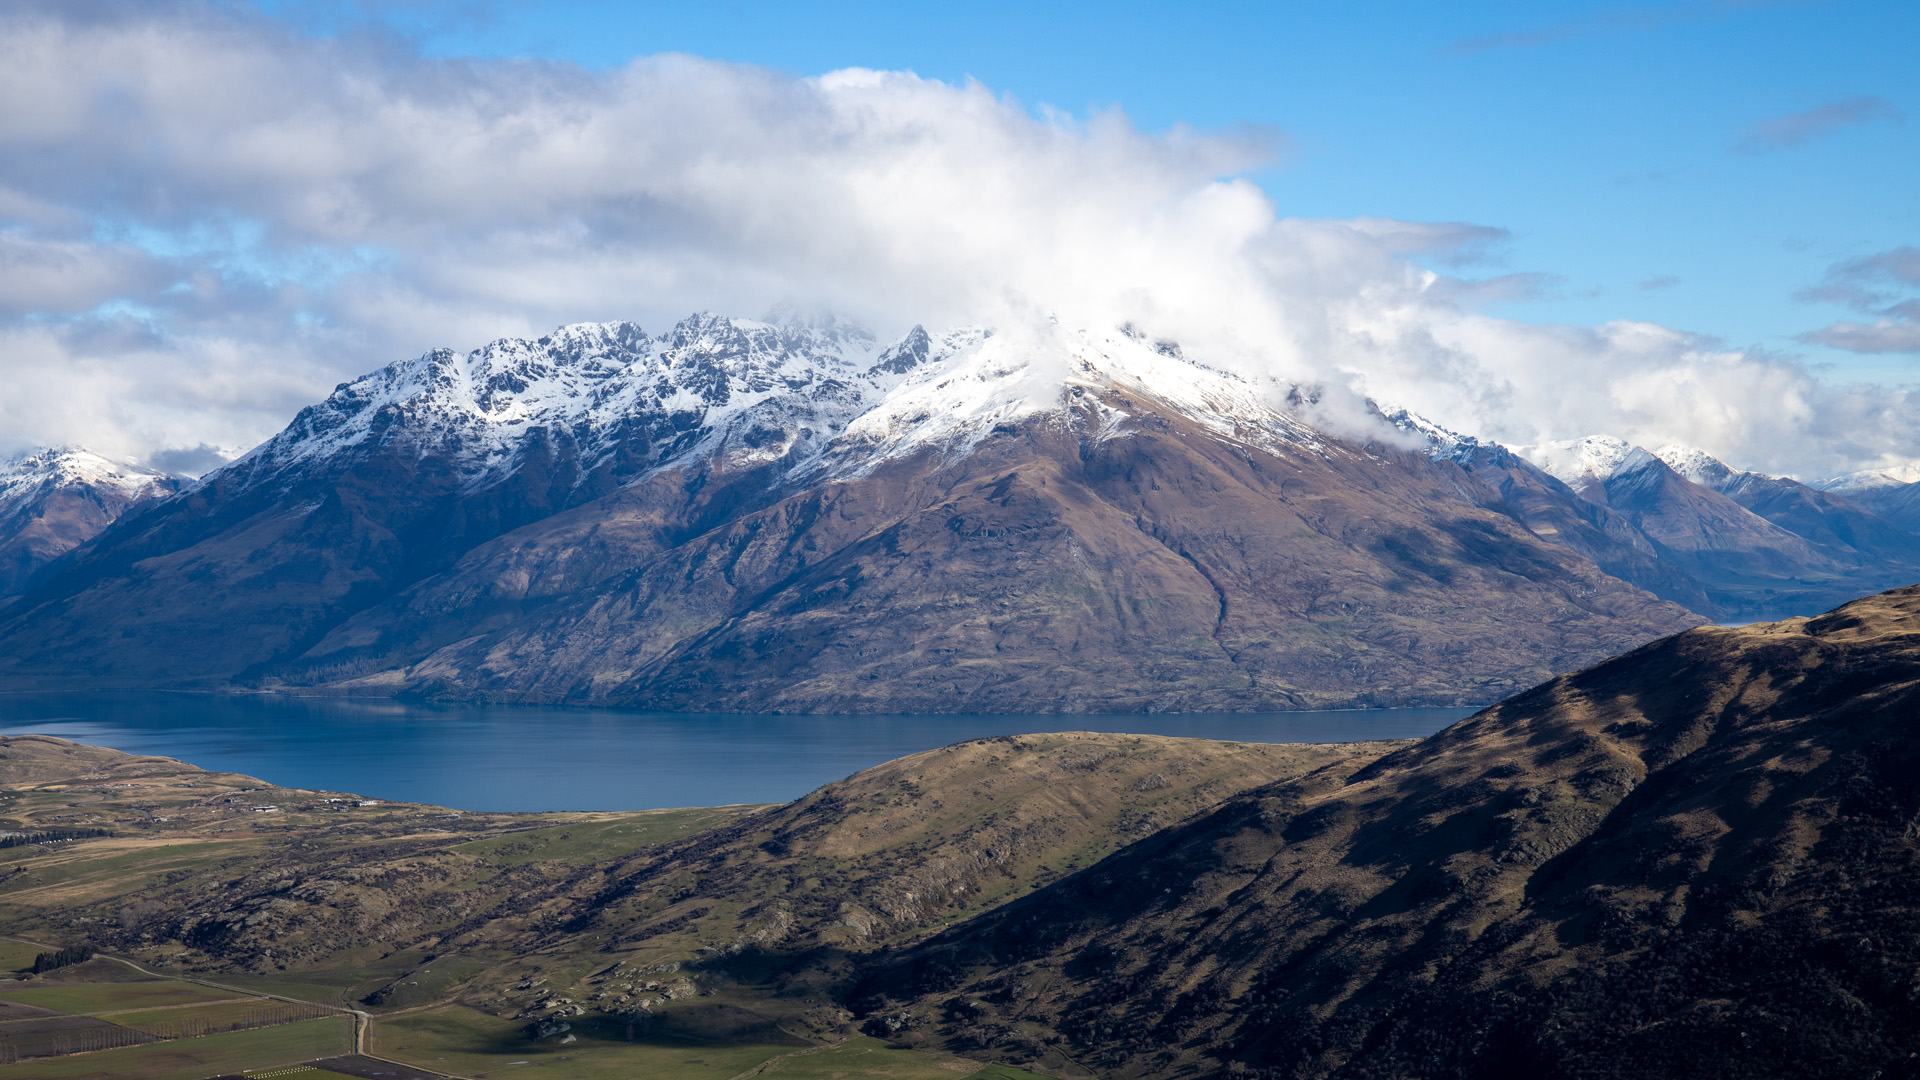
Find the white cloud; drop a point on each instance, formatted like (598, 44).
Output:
(241, 216)
(1793, 129)
(1881, 284)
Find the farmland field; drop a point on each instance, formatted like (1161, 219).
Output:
(871, 1058)
(216, 1016)
(105, 997)
(193, 1059)
(16, 956)
(472, 1043)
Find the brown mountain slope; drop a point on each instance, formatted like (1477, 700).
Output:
(1059, 566)
(319, 889)
(1699, 859)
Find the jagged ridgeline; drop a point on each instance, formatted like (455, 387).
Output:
(791, 516)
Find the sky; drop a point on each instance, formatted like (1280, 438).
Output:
(1677, 223)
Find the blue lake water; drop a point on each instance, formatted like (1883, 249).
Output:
(526, 758)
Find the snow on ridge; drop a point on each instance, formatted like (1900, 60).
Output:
(1700, 467)
(27, 475)
(706, 377)
(1575, 462)
(1442, 443)
(976, 381)
(1871, 480)
(816, 391)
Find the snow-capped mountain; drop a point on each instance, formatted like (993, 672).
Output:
(31, 475)
(789, 514)
(1893, 493)
(1871, 480)
(1582, 464)
(1686, 526)
(52, 500)
(619, 397)
(822, 397)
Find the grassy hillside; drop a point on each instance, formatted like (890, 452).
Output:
(624, 937)
(1699, 859)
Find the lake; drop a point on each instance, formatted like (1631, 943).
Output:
(528, 758)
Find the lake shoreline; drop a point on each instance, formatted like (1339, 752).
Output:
(526, 758)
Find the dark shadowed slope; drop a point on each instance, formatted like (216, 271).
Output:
(1699, 860)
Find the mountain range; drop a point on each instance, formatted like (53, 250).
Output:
(789, 515)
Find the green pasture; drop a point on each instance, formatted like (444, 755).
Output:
(432, 981)
(16, 956)
(472, 1043)
(354, 975)
(194, 1059)
(864, 1057)
(1003, 1072)
(109, 996)
(219, 1013)
(130, 871)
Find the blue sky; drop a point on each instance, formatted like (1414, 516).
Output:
(1624, 148)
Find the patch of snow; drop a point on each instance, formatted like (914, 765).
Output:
(1859, 483)
(816, 392)
(1576, 462)
(1700, 467)
(976, 381)
(30, 476)
(1442, 444)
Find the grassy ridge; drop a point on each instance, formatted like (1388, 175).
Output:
(699, 942)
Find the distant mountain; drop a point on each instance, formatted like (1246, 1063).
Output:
(788, 515)
(1698, 859)
(1759, 546)
(1894, 494)
(1553, 511)
(54, 500)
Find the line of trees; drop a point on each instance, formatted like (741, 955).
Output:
(77, 1041)
(269, 1015)
(49, 836)
(72, 954)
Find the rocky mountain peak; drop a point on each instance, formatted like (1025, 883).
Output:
(1583, 463)
(1699, 466)
(23, 475)
(57, 498)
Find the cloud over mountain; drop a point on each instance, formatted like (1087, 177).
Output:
(207, 219)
